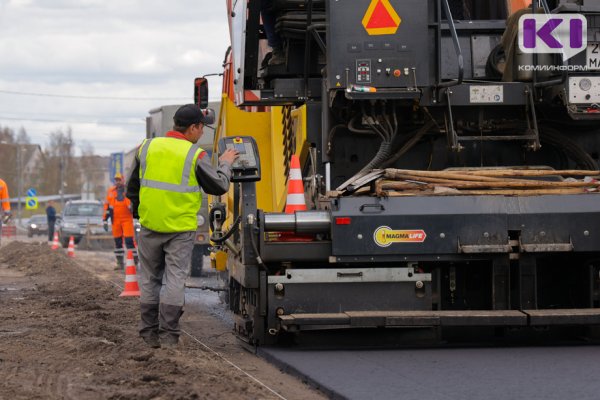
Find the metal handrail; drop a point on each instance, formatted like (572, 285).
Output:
(309, 7)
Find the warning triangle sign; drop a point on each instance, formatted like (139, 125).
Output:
(381, 18)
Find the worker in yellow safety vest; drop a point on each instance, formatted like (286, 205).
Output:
(164, 188)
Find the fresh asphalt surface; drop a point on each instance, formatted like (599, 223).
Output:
(460, 373)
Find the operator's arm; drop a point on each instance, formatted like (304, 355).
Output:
(213, 181)
(133, 186)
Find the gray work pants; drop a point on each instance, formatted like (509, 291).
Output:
(165, 260)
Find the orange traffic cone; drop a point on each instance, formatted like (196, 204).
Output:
(55, 244)
(131, 284)
(295, 197)
(295, 201)
(71, 248)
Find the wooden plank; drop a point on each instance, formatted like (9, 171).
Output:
(532, 173)
(395, 173)
(500, 184)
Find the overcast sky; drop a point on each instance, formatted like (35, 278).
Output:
(148, 51)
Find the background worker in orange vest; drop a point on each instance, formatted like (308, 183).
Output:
(118, 208)
(4, 205)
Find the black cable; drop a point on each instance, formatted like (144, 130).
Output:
(571, 148)
(259, 260)
(387, 134)
(409, 144)
(352, 128)
(330, 137)
(395, 122)
(227, 235)
(391, 130)
(384, 152)
(378, 130)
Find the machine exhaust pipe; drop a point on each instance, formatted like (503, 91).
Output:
(299, 222)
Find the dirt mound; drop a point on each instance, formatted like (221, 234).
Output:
(69, 335)
(32, 258)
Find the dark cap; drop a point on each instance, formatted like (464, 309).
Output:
(189, 114)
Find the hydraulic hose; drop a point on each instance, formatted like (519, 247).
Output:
(409, 144)
(354, 129)
(227, 235)
(384, 152)
(571, 148)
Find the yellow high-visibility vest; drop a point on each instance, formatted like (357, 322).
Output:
(170, 195)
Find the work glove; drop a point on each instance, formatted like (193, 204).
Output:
(6, 217)
(105, 226)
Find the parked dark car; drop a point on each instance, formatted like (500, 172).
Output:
(77, 217)
(37, 225)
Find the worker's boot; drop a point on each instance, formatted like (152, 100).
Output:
(120, 266)
(277, 57)
(149, 324)
(169, 325)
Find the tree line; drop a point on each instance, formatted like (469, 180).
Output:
(16, 150)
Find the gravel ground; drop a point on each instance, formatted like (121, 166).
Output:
(64, 333)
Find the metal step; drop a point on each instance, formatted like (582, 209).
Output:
(376, 319)
(587, 316)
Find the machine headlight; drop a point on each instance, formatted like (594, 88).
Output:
(201, 220)
(585, 84)
(33, 226)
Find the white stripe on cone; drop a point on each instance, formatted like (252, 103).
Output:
(295, 175)
(295, 199)
(130, 278)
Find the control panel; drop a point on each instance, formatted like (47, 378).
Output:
(247, 166)
(379, 47)
(584, 90)
(386, 72)
(363, 71)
